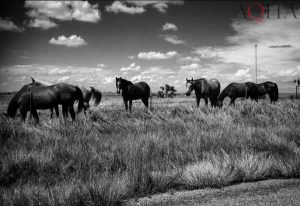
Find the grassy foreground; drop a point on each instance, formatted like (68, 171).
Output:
(109, 156)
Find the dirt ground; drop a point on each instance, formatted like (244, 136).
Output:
(268, 192)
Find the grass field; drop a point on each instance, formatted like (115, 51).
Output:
(109, 156)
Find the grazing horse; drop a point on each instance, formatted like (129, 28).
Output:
(130, 91)
(269, 88)
(89, 93)
(238, 90)
(206, 89)
(14, 102)
(46, 97)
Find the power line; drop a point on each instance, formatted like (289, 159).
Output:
(256, 63)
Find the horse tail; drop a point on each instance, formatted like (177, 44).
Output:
(246, 91)
(80, 99)
(12, 107)
(275, 93)
(30, 103)
(97, 95)
(150, 96)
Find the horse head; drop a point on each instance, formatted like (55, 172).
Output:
(189, 86)
(118, 84)
(220, 103)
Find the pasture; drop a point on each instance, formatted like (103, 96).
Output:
(109, 156)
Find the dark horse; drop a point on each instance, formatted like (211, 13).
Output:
(130, 91)
(206, 89)
(47, 97)
(13, 105)
(89, 93)
(269, 88)
(239, 90)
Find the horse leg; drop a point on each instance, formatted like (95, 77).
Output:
(232, 101)
(23, 112)
(198, 101)
(51, 112)
(65, 111)
(72, 112)
(145, 101)
(206, 101)
(35, 115)
(130, 105)
(212, 102)
(56, 110)
(126, 105)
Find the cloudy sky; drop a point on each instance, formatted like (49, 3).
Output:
(160, 42)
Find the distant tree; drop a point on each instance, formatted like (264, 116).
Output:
(167, 89)
(172, 91)
(160, 94)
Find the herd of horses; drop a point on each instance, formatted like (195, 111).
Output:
(39, 95)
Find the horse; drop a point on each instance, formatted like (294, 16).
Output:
(206, 89)
(130, 91)
(14, 102)
(46, 97)
(269, 88)
(89, 93)
(238, 90)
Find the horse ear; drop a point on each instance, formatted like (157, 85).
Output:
(33, 80)
(186, 79)
(192, 79)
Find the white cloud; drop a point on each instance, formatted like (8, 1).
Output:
(132, 67)
(156, 55)
(7, 25)
(157, 71)
(83, 11)
(135, 78)
(169, 26)
(63, 10)
(191, 66)
(242, 72)
(290, 72)
(131, 57)
(188, 58)
(102, 65)
(41, 23)
(63, 79)
(159, 5)
(207, 52)
(173, 39)
(109, 80)
(72, 41)
(59, 71)
(118, 7)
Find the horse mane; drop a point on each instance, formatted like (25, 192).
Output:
(39, 82)
(126, 81)
(97, 95)
(199, 79)
(224, 93)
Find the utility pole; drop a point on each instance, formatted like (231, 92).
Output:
(256, 63)
(297, 82)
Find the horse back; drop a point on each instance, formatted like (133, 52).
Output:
(138, 90)
(236, 89)
(214, 85)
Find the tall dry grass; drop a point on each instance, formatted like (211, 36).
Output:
(109, 156)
